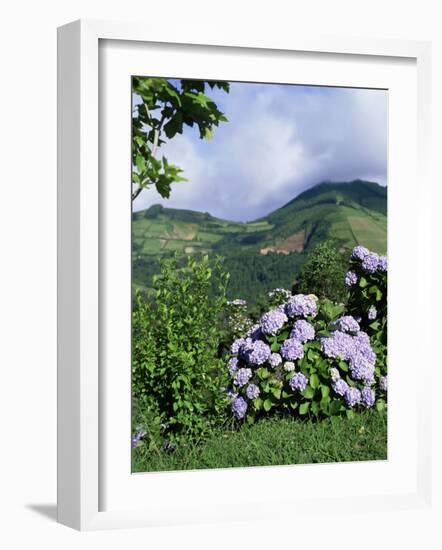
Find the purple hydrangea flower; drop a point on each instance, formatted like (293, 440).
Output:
(354, 349)
(347, 323)
(292, 349)
(359, 253)
(361, 368)
(383, 263)
(301, 305)
(383, 382)
(302, 331)
(254, 332)
(252, 391)
(338, 346)
(340, 387)
(362, 339)
(372, 313)
(370, 263)
(272, 321)
(367, 397)
(242, 376)
(363, 347)
(298, 381)
(239, 407)
(275, 360)
(236, 345)
(232, 365)
(256, 352)
(351, 278)
(352, 396)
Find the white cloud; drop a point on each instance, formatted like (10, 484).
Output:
(278, 142)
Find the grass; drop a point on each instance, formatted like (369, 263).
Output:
(278, 441)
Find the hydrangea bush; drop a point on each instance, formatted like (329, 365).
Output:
(312, 357)
(367, 284)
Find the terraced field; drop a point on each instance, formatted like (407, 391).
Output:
(348, 213)
(163, 234)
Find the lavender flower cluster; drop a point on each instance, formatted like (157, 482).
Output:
(242, 376)
(372, 313)
(352, 395)
(256, 362)
(239, 407)
(272, 321)
(351, 278)
(302, 331)
(355, 349)
(298, 381)
(301, 305)
(347, 323)
(292, 349)
(370, 262)
(252, 351)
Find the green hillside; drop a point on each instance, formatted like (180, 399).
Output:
(268, 252)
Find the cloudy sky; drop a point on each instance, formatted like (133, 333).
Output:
(279, 141)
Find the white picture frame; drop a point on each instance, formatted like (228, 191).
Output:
(81, 471)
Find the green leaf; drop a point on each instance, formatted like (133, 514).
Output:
(263, 373)
(335, 406)
(314, 381)
(267, 405)
(343, 366)
(325, 390)
(257, 403)
(363, 282)
(304, 408)
(277, 393)
(314, 407)
(380, 405)
(283, 336)
(325, 404)
(309, 392)
(208, 133)
(140, 163)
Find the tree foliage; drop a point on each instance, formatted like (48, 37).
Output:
(323, 273)
(165, 108)
(176, 370)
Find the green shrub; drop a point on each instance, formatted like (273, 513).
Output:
(176, 369)
(323, 273)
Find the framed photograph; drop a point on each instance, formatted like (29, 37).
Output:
(232, 272)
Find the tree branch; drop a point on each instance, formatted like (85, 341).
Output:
(136, 193)
(152, 153)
